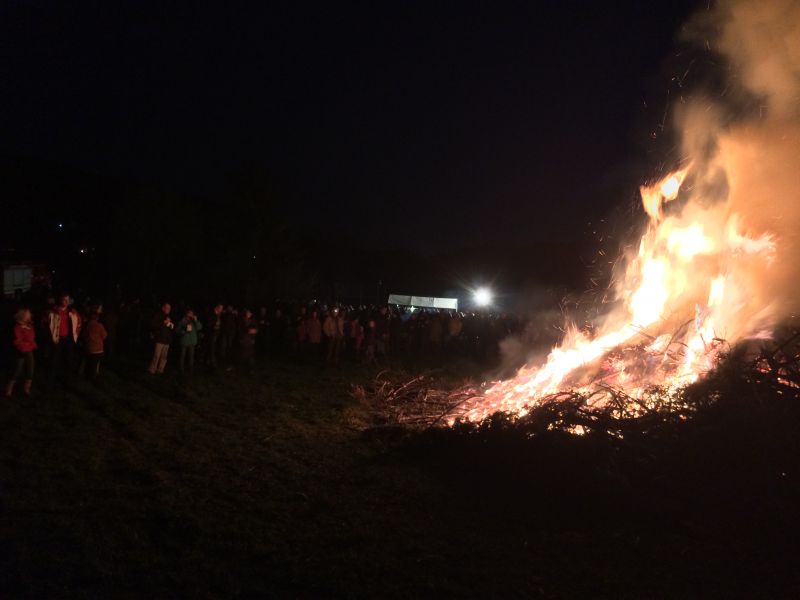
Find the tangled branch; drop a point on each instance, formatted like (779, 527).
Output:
(420, 402)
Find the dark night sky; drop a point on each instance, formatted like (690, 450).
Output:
(430, 121)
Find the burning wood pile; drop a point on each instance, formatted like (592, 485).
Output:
(744, 374)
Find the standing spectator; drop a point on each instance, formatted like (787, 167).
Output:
(110, 320)
(214, 333)
(436, 333)
(454, 327)
(278, 329)
(263, 339)
(188, 329)
(396, 333)
(24, 345)
(300, 331)
(76, 320)
(314, 331)
(64, 325)
(94, 338)
(356, 335)
(382, 330)
(414, 325)
(333, 328)
(228, 332)
(161, 328)
(43, 330)
(247, 340)
(370, 342)
(484, 336)
(470, 333)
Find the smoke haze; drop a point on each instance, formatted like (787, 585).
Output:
(746, 163)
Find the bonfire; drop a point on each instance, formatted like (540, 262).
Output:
(683, 303)
(715, 269)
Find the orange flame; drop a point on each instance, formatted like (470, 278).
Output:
(682, 292)
(655, 196)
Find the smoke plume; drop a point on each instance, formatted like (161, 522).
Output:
(746, 162)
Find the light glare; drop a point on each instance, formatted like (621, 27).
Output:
(483, 297)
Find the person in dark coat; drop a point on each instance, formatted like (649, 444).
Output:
(228, 332)
(188, 329)
(214, 336)
(161, 329)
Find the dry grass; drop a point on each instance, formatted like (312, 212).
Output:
(282, 485)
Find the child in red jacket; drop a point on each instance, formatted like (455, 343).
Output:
(24, 345)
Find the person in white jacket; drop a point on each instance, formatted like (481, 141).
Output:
(64, 324)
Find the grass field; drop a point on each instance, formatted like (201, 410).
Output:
(277, 485)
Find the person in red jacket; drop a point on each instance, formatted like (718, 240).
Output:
(24, 345)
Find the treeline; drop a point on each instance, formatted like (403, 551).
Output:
(253, 240)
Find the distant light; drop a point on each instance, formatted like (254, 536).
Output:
(254, 256)
(483, 297)
(61, 226)
(83, 250)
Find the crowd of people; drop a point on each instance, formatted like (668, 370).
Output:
(76, 338)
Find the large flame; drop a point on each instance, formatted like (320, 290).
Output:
(718, 262)
(684, 297)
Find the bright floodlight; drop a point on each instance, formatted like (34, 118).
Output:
(483, 297)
